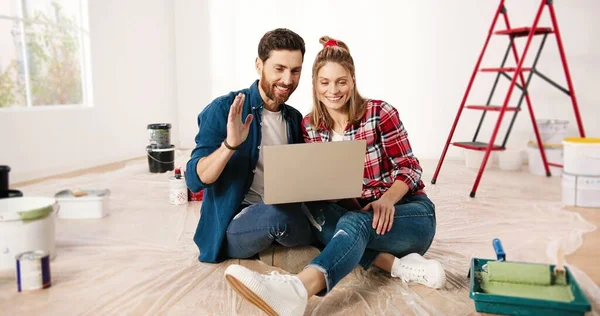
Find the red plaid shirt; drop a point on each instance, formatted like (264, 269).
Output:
(388, 157)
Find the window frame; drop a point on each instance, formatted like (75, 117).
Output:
(83, 40)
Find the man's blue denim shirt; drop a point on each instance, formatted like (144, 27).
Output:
(223, 198)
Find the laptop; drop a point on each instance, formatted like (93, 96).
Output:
(313, 171)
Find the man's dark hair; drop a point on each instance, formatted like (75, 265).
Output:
(279, 39)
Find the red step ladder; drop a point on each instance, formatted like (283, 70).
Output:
(517, 73)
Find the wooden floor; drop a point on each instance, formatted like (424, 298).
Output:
(587, 257)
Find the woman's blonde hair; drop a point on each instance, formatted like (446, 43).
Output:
(337, 52)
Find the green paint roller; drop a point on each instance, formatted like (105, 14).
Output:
(525, 273)
(507, 280)
(525, 280)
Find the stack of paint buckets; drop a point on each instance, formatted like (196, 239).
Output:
(581, 174)
(161, 153)
(552, 133)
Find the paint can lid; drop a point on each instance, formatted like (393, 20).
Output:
(551, 122)
(159, 126)
(582, 140)
(546, 145)
(25, 208)
(91, 196)
(32, 255)
(4, 168)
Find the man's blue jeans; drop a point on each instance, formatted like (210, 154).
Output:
(351, 240)
(257, 226)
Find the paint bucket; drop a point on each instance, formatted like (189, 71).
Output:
(580, 191)
(92, 205)
(26, 224)
(4, 170)
(510, 159)
(473, 159)
(554, 154)
(195, 196)
(582, 156)
(178, 191)
(161, 160)
(551, 131)
(5, 191)
(159, 135)
(33, 271)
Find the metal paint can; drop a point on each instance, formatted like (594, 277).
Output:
(33, 270)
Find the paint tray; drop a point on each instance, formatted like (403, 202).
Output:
(512, 305)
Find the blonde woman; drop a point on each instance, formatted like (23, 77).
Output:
(393, 223)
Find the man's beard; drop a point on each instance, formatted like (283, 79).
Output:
(272, 94)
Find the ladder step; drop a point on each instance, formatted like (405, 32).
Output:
(504, 69)
(476, 146)
(524, 31)
(491, 108)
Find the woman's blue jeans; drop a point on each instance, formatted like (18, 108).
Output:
(351, 240)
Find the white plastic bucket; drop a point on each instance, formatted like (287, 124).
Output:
(582, 156)
(551, 131)
(93, 205)
(554, 154)
(510, 159)
(473, 158)
(26, 224)
(569, 189)
(580, 191)
(178, 193)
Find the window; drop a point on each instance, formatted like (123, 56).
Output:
(44, 53)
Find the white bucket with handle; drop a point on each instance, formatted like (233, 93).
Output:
(510, 159)
(26, 224)
(473, 159)
(582, 156)
(551, 131)
(554, 154)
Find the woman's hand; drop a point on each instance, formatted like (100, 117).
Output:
(383, 214)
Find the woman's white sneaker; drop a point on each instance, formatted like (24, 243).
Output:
(275, 294)
(415, 268)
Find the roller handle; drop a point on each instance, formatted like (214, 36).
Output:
(500, 255)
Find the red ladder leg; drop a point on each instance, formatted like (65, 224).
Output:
(465, 96)
(506, 101)
(529, 105)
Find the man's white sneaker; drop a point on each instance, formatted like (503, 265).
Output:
(275, 294)
(290, 259)
(415, 268)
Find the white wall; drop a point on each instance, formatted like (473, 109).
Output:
(194, 84)
(163, 61)
(417, 55)
(133, 60)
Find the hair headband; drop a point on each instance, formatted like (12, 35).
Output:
(330, 43)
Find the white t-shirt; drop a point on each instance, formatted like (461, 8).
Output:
(335, 137)
(274, 132)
